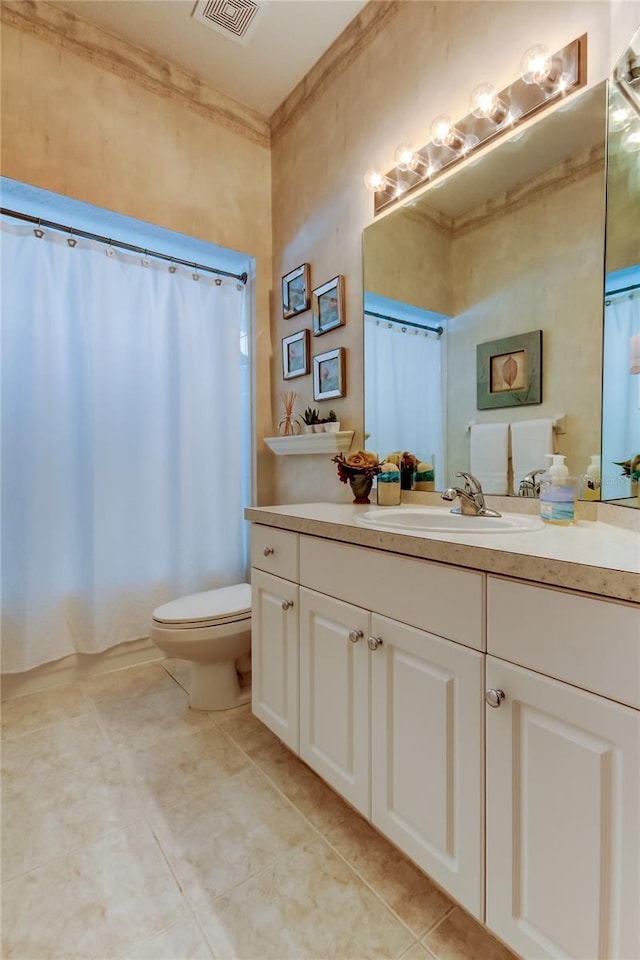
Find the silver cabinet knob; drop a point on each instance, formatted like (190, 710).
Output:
(494, 697)
(287, 604)
(374, 642)
(268, 551)
(356, 635)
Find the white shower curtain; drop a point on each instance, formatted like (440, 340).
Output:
(403, 392)
(621, 393)
(125, 443)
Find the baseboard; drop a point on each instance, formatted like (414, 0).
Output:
(78, 666)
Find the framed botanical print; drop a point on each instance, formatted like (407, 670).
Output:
(295, 355)
(327, 306)
(509, 371)
(329, 374)
(295, 291)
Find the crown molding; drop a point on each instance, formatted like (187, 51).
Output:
(51, 23)
(355, 38)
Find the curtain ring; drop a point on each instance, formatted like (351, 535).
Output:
(39, 232)
(71, 240)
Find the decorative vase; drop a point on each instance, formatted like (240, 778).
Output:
(360, 484)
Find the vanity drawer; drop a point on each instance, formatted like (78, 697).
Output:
(594, 644)
(275, 551)
(431, 596)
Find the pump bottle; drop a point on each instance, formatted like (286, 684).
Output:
(590, 481)
(557, 493)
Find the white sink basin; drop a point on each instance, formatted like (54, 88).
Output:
(438, 520)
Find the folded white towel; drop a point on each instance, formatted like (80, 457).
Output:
(489, 456)
(531, 440)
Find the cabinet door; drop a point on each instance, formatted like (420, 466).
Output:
(274, 655)
(427, 755)
(563, 853)
(334, 694)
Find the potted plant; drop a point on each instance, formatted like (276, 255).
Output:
(332, 424)
(309, 419)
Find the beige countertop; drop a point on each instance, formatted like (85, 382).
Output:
(590, 556)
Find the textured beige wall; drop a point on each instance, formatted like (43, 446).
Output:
(538, 267)
(407, 258)
(623, 207)
(85, 131)
(425, 61)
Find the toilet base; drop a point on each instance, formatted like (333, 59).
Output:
(215, 686)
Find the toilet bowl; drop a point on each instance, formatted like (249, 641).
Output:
(213, 630)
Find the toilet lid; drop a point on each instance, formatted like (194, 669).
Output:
(210, 606)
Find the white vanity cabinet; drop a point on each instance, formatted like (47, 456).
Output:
(427, 754)
(274, 632)
(490, 727)
(334, 694)
(563, 768)
(391, 715)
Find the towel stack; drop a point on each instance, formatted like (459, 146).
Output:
(531, 441)
(489, 456)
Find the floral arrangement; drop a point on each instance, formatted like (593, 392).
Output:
(360, 463)
(630, 468)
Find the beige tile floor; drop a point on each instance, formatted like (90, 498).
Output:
(135, 828)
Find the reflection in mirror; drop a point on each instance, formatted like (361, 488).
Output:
(509, 244)
(621, 379)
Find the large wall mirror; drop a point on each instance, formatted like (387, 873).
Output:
(510, 244)
(621, 374)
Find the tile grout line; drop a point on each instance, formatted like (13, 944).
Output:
(323, 837)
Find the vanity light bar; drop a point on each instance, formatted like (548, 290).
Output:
(495, 113)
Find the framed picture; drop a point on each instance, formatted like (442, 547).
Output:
(295, 355)
(509, 371)
(328, 374)
(327, 306)
(295, 291)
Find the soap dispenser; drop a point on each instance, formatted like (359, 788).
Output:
(590, 481)
(557, 493)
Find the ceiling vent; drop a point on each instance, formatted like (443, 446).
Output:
(234, 19)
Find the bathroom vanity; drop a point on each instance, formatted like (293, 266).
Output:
(477, 698)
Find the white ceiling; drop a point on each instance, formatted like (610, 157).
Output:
(290, 36)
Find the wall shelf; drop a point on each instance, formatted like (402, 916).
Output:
(305, 443)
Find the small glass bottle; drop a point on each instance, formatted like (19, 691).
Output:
(389, 485)
(590, 481)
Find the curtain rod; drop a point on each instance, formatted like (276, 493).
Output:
(610, 293)
(405, 323)
(51, 225)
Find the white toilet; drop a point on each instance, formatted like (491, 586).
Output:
(213, 630)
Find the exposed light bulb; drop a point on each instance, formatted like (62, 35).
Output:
(540, 67)
(535, 65)
(405, 157)
(486, 104)
(375, 181)
(444, 133)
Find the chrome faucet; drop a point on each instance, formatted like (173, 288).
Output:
(529, 486)
(471, 498)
